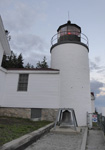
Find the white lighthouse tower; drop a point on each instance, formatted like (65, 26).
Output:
(69, 54)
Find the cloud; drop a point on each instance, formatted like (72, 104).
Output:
(97, 59)
(100, 101)
(21, 16)
(99, 90)
(102, 93)
(95, 66)
(32, 47)
(96, 86)
(28, 42)
(21, 19)
(102, 70)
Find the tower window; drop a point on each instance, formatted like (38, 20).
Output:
(23, 82)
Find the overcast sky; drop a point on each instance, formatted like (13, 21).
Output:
(32, 23)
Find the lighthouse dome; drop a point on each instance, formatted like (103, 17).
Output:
(69, 32)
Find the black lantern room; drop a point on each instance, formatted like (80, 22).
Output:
(69, 32)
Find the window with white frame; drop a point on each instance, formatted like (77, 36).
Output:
(23, 82)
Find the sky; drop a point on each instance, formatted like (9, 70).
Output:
(32, 23)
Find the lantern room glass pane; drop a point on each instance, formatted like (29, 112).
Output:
(69, 33)
(63, 31)
(74, 30)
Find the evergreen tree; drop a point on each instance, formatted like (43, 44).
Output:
(42, 64)
(4, 62)
(29, 66)
(12, 61)
(20, 61)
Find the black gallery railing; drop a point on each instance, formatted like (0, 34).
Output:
(69, 36)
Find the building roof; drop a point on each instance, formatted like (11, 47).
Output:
(34, 69)
(68, 24)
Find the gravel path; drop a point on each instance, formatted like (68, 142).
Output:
(57, 141)
(95, 140)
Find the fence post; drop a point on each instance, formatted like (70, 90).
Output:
(89, 120)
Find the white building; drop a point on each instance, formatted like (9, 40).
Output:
(92, 102)
(39, 93)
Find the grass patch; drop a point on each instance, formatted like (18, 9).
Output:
(12, 128)
(95, 124)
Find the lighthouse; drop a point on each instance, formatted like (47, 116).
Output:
(69, 54)
(61, 92)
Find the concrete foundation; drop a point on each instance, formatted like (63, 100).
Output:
(46, 114)
(49, 114)
(15, 112)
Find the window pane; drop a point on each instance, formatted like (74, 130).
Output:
(23, 82)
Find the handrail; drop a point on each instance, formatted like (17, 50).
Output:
(83, 37)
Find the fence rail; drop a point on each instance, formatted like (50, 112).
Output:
(98, 119)
(101, 122)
